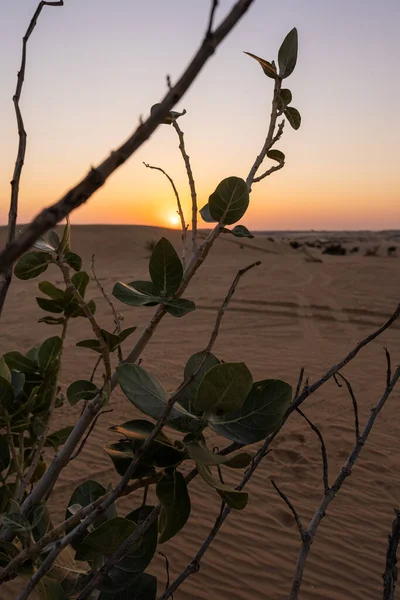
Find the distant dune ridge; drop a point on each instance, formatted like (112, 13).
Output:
(288, 313)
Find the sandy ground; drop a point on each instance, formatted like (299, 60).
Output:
(287, 313)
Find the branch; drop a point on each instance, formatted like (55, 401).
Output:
(92, 426)
(6, 276)
(281, 164)
(323, 450)
(354, 402)
(214, 6)
(291, 508)
(191, 182)
(390, 574)
(97, 176)
(345, 471)
(180, 211)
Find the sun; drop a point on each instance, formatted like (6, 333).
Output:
(174, 220)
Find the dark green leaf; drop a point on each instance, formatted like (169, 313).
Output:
(224, 388)
(239, 231)
(188, 395)
(31, 265)
(52, 306)
(17, 382)
(7, 551)
(200, 454)
(50, 589)
(111, 339)
(173, 114)
(48, 353)
(80, 280)
(4, 449)
(87, 492)
(81, 390)
(104, 540)
(206, 215)
(165, 268)
(122, 455)
(125, 333)
(138, 430)
(52, 320)
(42, 245)
(16, 523)
(51, 290)
(4, 370)
(179, 307)
(59, 437)
(146, 393)
(287, 56)
(74, 310)
(285, 97)
(276, 155)
(230, 200)
(145, 287)
(144, 588)
(6, 393)
(65, 245)
(73, 260)
(260, 415)
(92, 344)
(54, 240)
(16, 361)
(293, 116)
(268, 68)
(126, 294)
(234, 498)
(175, 502)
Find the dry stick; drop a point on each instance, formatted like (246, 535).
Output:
(33, 551)
(214, 6)
(192, 186)
(180, 211)
(117, 319)
(354, 400)
(92, 426)
(281, 164)
(80, 530)
(79, 194)
(390, 574)
(292, 509)
(323, 450)
(270, 140)
(6, 276)
(345, 471)
(263, 451)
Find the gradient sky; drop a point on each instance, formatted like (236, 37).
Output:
(94, 66)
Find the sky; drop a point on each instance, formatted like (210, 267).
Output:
(95, 66)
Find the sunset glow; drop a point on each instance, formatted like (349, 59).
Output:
(341, 168)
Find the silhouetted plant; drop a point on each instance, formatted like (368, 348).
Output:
(335, 250)
(391, 251)
(354, 249)
(372, 251)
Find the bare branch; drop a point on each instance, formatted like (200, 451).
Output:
(180, 211)
(165, 557)
(192, 185)
(388, 367)
(214, 6)
(323, 450)
(79, 194)
(390, 574)
(92, 426)
(291, 508)
(354, 402)
(6, 275)
(299, 382)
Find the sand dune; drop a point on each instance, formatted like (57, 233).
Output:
(287, 313)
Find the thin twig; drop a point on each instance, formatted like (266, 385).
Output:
(6, 275)
(214, 6)
(323, 450)
(79, 194)
(165, 557)
(354, 402)
(299, 382)
(192, 185)
(92, 426)
(390, 574)
(389, 366)
(291, 508)
(180, 211)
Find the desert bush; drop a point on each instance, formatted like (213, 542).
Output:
(295, 244)
(354, 249)
(372, 251)
(334, 249)
(391, 251)
(106, 553)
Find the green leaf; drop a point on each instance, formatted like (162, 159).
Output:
(17, 362)
(260, 415)
(4, 370)
(42, 245)
(206, 215)
(287, 56)
(48, 353)
(165, 268)
(170, 116)
(128, 295)
(179, 307)
(147, 394)
(188, 395)
(268, 68)
(74, 310)
(65, 245)
(16, 522)
(224, 388)
(17, 382)
(31, 265)
(7, 550)
(51, 290)
(144, 588)
(73, 260)
(234, 498)
(52, 306)
(6, 393)
(52, 320)
(200, 454)
(87, 492)
(138, 430)
(104, 540)
(285, 97)
(125, 333)
(239, 231)
(276, 155)
(122, 454)
(230, 200)
(175, 505)
(80, 280)
(111, 339)
(293, 116)
(81, 390)
(54, 240)
(50, 589)
(92, 344)
(4, 452)
(59, 437)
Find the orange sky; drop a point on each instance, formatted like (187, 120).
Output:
(83, 99)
